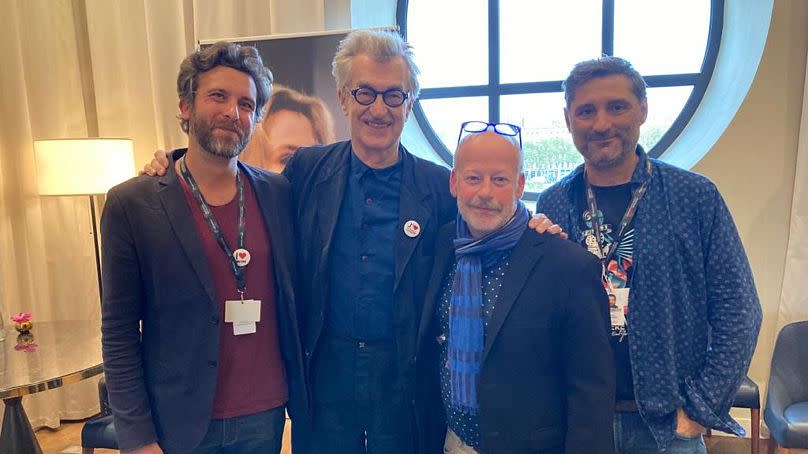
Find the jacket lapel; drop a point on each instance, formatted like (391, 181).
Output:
(524, 258)
(268, 202)
(330, 190)
(444, 254)
(179, 216)
(412, 207)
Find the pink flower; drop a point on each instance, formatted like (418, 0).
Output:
(22, 317)
(28, 348)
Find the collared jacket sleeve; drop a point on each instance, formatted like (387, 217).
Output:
(734, 317)
(121, 312)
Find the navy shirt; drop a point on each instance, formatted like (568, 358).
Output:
(363, 254)
(463, 423)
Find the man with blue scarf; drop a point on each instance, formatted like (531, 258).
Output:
(514, 330)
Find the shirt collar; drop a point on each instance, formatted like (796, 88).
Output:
(359, 168)
(641, 174)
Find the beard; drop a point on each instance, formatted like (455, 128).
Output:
(603, 158)
(223, 146)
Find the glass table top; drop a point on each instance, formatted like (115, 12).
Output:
(58, 353)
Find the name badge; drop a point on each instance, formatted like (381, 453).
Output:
(240, 328)
(242, 311)
(618, 309)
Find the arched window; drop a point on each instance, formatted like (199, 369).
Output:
(504, 60)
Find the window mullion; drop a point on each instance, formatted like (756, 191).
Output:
(493, 60)
(607, 29)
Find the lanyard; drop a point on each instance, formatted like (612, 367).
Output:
(238, 271)
(627, 216)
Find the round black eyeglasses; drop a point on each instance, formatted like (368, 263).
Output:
(366, 96)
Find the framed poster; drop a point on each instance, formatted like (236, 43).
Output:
(303, 109)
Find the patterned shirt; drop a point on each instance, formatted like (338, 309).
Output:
(695, 313)
(466, 425)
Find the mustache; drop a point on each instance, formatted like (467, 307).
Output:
(486, 205)
(231, 125)
(595, 135)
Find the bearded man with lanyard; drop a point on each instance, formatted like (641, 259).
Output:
(515, 322)
(199, 334)
(686, 313)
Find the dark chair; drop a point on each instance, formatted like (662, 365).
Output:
(786, 411)
(748, 396)
(99, 431)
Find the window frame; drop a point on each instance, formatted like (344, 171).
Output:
(493, 90)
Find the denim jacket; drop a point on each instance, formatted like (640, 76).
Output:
(695, 313)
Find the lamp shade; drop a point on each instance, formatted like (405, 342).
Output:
(82, 166)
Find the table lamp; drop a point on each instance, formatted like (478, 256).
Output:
(76, 167)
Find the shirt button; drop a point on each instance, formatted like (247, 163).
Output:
(364, 258)
(214, 320)
(212, 363)
(369, 201)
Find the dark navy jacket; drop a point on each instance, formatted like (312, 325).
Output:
(318, 176)
(161, 377)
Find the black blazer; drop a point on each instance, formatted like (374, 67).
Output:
(547, 374)
(161, 382)
(319, 176)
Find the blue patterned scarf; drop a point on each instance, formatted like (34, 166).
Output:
(466, 325)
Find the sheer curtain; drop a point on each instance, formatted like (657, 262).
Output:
(794, 299)
(80, 68)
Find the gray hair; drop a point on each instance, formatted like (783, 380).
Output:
(242, 58)
(604, 66)
(382, 46)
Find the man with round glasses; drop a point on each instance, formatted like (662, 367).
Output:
(366, 212)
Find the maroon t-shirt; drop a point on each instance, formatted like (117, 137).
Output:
(250, 375)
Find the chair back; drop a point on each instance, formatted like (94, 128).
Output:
(790, 361)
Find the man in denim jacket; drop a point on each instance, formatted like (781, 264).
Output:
(686, 313)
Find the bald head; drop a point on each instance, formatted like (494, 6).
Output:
(487, 180)
(490, 140)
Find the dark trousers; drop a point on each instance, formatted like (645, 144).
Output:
(259, 433)
(358, 404)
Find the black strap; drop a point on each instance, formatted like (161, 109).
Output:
(238, 271)
(627, 216)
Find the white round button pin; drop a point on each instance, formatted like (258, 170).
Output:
(242, 257)
(412, 229)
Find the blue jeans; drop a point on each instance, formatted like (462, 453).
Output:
(632, 436)
(259, 433)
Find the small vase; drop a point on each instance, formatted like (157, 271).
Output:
(23, 327)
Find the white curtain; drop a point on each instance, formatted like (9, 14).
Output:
(80, 68)
(794, 299)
